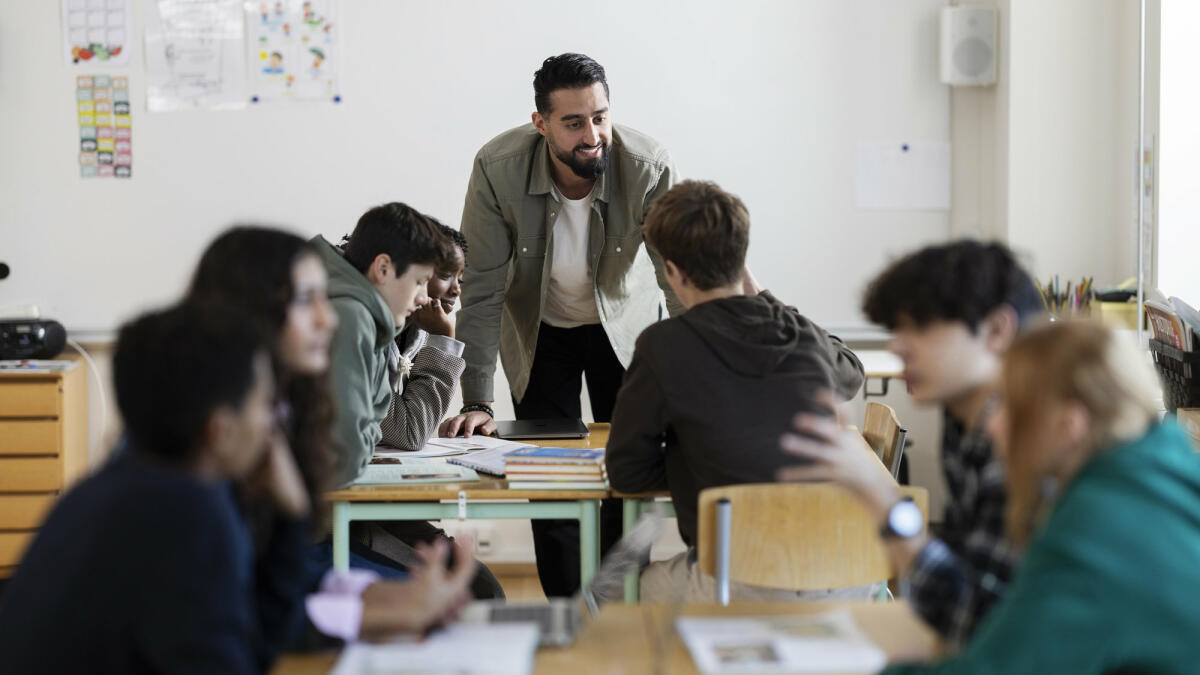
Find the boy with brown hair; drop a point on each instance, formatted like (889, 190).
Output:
(709, 392)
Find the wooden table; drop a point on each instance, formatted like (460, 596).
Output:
(624, 638)
(486, 498)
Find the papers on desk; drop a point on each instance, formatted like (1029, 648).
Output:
(817, 643)
(490, 649)
(449, 447)
(388, 471)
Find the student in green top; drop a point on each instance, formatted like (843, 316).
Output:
(1108, 500)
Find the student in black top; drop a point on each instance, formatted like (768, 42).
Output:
(144, 566)
(709, 392)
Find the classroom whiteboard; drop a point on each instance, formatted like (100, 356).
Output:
(768, 98)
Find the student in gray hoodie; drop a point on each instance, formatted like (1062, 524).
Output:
(709, 392)
(377, 280)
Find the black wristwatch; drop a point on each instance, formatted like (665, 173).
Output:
(904, 520)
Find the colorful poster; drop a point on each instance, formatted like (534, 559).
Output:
(195, 55)
(294, 50)
(105, 126)
(97, 31)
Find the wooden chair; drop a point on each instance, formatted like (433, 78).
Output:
(882, 430)
(795, 536)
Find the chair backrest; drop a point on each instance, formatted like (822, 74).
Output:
(797, 536)
(882, 431)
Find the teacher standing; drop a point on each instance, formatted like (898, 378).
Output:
(558, 280)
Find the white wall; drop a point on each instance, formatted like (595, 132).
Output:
(767, 98)
(1072, 136)
(1179, 159)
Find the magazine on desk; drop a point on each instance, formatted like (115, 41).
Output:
(390, 471)
(815, 643)
(509, 649)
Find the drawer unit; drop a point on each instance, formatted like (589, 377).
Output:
(43, 449)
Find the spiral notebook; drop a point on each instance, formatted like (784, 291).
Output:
(489, 461)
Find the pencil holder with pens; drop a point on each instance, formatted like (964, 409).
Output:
(1075, 299)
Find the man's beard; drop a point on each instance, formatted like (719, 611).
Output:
(587, 169)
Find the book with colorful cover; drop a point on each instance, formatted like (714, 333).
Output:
(549, 455)
(537, 467)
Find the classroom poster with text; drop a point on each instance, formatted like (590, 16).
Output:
(294, 50)
(105, 126)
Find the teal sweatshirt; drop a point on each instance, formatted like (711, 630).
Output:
(1112, 581)
(359, 363)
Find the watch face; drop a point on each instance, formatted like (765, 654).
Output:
(905, 519)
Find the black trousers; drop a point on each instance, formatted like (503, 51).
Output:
(563, 357)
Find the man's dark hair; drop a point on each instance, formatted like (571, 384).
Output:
(565, 71)
(173, 368)
(961, 281)
(703, 229)
(406, 235)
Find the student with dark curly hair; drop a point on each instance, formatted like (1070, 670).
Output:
(953, 311)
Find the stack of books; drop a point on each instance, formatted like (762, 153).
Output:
(555, 469)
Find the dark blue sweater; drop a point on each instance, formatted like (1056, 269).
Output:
(143, 568)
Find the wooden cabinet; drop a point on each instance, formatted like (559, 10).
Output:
(43, 449)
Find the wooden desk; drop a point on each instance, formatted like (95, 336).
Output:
(622, 640)
(486, 498)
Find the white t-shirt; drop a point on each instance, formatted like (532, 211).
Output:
(570, 296)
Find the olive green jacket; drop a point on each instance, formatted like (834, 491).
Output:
(508, 219)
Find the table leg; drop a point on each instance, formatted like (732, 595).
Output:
(341, 536)
(589, 539)
(631, 510)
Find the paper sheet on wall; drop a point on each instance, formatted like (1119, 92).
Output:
(903, 175)
(105, 126)
(97, 32)
(294, 50)
(195, 55)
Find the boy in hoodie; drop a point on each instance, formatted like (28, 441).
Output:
(378, 279)
(709, 392)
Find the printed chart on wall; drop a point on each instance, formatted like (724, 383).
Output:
(97, 31)
(105, 126)
(293, 50)
(194, 55)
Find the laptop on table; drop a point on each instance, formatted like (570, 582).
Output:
(541, 429)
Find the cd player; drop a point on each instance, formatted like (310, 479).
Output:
(31, 339)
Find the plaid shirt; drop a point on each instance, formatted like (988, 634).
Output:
(956, 579)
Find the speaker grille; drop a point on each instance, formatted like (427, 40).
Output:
(972, 57)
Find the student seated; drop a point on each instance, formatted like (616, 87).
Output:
(148, 565)
(709, 392)
(953, 310)
(429, 366)
(1107, 498)
(279, 281)
(144, 566)
(377, 281)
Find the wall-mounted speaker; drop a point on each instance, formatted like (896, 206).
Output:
(968, 45)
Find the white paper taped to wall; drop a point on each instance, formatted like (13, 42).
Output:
(903, 175)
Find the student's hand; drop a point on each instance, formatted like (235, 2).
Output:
(838, 454)
(468, 424)
(749, 283)
(433, 319)
(431, 596)
(278, 477)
